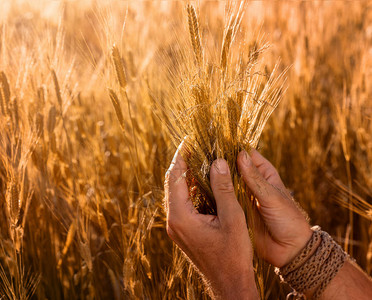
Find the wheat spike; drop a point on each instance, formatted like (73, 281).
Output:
(52, 142)
(41, 94)
(226, 48)
(115, 102)
(233, 116)
(86, 254)
(69, 239)
(57, 88)
(15, 113)
(2, 102)
(232, 28)
(103, 224)
(4, 93)
(194, 34)
(119, 68)
(52, 119)
(39, 124)
(13, 199)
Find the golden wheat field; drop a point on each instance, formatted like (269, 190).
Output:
(96, 95)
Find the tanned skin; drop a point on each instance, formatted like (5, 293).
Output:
(280, 235)
(207, 239)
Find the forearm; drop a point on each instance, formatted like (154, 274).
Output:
(322, 270)
(349, 283)
(243, 294)
(239, 289)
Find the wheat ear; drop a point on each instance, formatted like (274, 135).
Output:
(57, 89)
(194, 34)
(4, 93)
(119, 113)
(119, 68)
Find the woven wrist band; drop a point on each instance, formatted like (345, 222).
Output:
(308, 272)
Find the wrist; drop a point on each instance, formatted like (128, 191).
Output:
(243, 287)
(247, 293)
(298, 246)
(311, 271)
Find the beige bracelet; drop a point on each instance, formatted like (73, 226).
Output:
(308, 272)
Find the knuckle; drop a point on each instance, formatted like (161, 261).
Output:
(238, 216)
(249, 163)
(254, 175)
(235, 220)
(225, 187)
(235, 224)
(275, 172)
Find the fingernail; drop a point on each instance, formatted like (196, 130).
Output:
(221, 166)
(246, 158)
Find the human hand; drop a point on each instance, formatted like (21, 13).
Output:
(219, 246)
(284, 230)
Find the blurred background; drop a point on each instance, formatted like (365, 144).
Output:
(81, 191)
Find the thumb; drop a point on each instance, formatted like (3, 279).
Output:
(267, 195)
(223, 191)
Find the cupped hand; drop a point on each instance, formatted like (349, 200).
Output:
(219, 246)
(283, 229)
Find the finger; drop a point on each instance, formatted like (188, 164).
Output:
(223, 191)
(266, 169)
(177, 198)
(269, 172)
(266, 194)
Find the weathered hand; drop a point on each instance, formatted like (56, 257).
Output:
(219, 246)
(284, 230)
